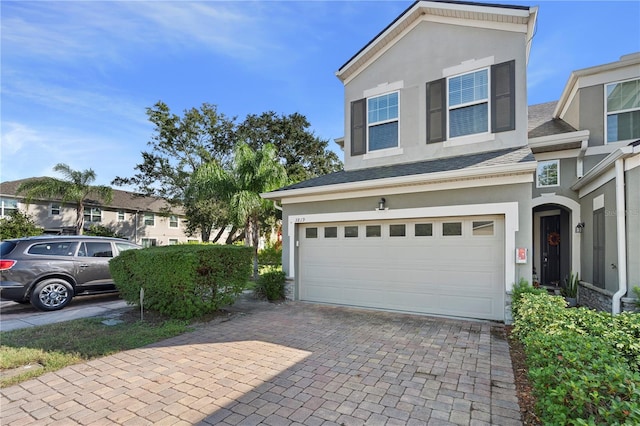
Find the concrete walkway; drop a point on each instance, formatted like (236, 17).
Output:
(294, 363)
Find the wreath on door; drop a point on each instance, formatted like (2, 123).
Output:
(553, 239)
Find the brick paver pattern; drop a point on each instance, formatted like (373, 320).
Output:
(288, 364)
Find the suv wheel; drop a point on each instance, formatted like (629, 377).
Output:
(52, 294)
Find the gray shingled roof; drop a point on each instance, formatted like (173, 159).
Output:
(542, 123)
(121, 199)
(484, 159)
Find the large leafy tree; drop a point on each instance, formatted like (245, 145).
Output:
(303, 154)
(251, 173)
(75, 187)
(178, 147)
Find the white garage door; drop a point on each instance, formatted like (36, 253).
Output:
(446, 266)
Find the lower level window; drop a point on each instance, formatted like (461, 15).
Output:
(149, 242)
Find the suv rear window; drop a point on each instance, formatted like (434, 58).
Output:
(63, 248)
(6, 247)
(95, 249)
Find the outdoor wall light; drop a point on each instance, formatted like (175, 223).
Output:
(579, 227)
(381, 204)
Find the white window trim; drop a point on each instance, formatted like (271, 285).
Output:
(557, 162)
(3, 206)
(144, 219)
(378, 123)
(607, 114)
(51, 214)
(177, 222)
(474, 137)
(124, 215)
(91, 214)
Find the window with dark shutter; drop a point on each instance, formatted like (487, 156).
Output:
(436, 111)
(503, 103)
(358, 127)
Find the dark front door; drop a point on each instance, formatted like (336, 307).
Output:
(550, 242)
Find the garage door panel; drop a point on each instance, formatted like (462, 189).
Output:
(459, 275)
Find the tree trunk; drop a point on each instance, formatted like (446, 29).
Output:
(80, 218)
(230, 238)
(219, 234)
(251, 240)
(205, 234)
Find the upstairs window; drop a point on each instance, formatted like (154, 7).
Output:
(623, 110)
(149, 219)
(475, 102)
(173, 221)
(382, 121)
(93, 214)
(121, 216)
(469, 104)
(374, 123)
(548, 173)
(54, 209)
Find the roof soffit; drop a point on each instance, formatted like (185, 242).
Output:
(515, 19)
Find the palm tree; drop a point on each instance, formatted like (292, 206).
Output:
(74, 188)
(252, 173)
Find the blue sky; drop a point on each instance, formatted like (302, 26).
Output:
(77, 75)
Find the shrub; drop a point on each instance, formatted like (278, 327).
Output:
(18, 224)
(103, 231)
(584, 365)
(270, 285)
(523, 287)
(182, 281)
(271, 255)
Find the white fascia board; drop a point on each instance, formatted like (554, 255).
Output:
(602, 168)
(559, 139)
(420, 13)
(455, 179)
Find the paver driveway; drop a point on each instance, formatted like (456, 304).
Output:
(294, 363)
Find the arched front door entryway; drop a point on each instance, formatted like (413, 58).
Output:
(556, 246)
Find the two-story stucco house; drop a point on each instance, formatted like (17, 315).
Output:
(454, 190)
(586, 195)
(147, 221)
(433, 211)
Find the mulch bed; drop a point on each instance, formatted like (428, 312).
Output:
(526, 399)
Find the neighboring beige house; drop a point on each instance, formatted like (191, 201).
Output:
(454, 189)
(147, 221)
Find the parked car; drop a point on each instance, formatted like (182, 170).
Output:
(49, 271)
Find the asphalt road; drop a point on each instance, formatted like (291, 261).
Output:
(14, 315)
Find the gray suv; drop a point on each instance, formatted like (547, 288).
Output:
(49, 271)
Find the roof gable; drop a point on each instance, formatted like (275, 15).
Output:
(520, 18)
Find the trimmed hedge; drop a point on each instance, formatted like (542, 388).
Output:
(183, 281)
(584, 365)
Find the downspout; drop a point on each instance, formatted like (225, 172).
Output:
(621, 226)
